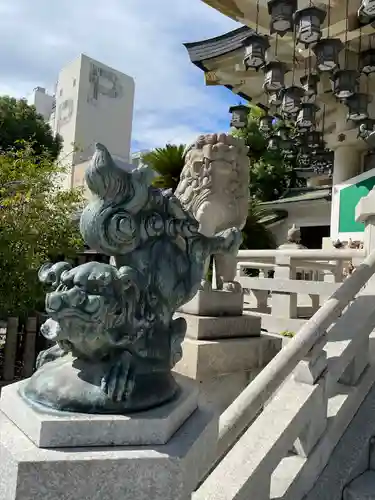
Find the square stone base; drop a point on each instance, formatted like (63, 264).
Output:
(215, 303)
(205, 359)
(54, 429)
(165, 472)
(211, 328)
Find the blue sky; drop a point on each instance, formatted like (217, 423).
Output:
(142, 38)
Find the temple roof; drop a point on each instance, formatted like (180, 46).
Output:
(202, 52)
(217, 46)
(300, 194)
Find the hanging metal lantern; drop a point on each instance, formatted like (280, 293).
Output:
(284, 141)
(357, 105)
(322, 161)
(304, 157)
(281, 12)
(327, 54)
(367, 62)
(306, 116)
(292, 100)
(283, 132)
(366, 11)
(239, 116)
(288, 149)
(345, 82)
(365, 128)
(274, 99)
(310, 84)
(256, 47)
(273, 143)
(314, 139)
(265, 124)
(308, 23)
(274, 76)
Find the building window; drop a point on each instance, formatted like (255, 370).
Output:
(74, 82)
(61, 92)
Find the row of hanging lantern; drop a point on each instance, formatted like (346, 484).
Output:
(345, 82)
(307, 145)
(298, 103)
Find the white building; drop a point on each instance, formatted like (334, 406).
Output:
(136, 158)
(92, 103)
(43, 102)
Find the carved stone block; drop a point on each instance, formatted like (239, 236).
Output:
(162, 472)
(54, 429)
(221, 327)
(215, 303)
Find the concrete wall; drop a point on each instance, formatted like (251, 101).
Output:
(42, 101)
(303, 214)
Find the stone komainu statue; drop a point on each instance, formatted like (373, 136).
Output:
(214, 187)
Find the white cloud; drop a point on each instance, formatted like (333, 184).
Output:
(142, 38)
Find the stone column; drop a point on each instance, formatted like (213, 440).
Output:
(348, 152)
(157, 454)
(347, 163)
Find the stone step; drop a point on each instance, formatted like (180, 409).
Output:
(361, 488)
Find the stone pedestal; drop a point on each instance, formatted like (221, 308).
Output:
(160, 453)
(223, 349)
(215, 303)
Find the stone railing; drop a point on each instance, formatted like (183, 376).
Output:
(277, 436)
(283, 300)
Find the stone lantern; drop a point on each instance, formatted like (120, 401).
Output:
(274, 78)
(345, 82)
(327, 53)
(308, 23)
(239, 116)
(281, 12)
(256, 47)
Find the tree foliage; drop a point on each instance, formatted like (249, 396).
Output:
(37, 224)
(168, 163)
(270, 174)
(20, 122)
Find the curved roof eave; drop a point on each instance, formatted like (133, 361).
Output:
(218, 46)
(226, 7)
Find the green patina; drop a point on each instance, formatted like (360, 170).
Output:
(349, 198)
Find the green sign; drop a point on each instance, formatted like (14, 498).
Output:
(349, 198)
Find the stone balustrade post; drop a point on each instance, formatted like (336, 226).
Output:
(365, 212)
(261, 296)
(284, 304)
(309, 371)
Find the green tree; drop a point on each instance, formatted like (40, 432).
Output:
(168, 163)
(270, 173)
(20, 122)
(37, 224)
(256, 235)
